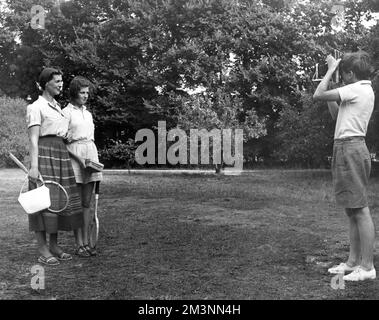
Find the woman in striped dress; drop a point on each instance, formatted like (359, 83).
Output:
(47, 126)
(81, 146)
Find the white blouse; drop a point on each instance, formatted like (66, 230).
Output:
(49, 116)
(81, 126)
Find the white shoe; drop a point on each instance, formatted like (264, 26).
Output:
(360, 274)
(341, 268)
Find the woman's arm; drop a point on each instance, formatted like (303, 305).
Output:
(33, 151)
(68, 115)
(81, 161)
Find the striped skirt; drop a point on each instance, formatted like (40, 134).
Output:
(54, 164)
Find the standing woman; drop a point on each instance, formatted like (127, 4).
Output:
(81, 146)
(47, 126)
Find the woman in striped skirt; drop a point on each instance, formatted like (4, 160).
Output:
(47, 126)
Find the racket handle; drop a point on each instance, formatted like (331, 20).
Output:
(18, 162)
(97, 187)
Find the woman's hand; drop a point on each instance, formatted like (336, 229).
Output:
(332, 63)
(33, 174)
(82, 162)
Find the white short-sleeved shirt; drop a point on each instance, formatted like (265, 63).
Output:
(81, 126)
(355, 109)
(48, 116)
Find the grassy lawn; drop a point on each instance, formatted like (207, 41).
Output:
(266, 235)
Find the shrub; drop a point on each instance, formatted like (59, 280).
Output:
(118, 154)
(305, 134)
(13, 130)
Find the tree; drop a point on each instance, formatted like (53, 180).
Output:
(306, 133)
(250, 58)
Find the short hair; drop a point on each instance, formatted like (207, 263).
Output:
(358, 62)
(46, 75)
(76, 85)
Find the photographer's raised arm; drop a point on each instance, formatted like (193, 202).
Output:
(322, 93)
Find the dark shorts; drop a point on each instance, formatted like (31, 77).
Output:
(351, 166)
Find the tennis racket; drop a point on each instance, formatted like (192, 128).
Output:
(94, 226)
(58, 195)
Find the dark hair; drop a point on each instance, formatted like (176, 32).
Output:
(359, 63)
(46, 75)
(76, 85)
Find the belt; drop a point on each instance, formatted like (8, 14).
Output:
(50, 136)
(353, 138)
(82, 141)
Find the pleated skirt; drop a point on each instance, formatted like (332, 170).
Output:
(54, 164)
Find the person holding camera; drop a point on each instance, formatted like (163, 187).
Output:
(352, 105)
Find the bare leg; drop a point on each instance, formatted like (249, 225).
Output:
(78, 233)
(43, 249)
(53, 243)
(367, 236)
(355, 244)
(81, 234)
(78, 237)
(87, 191)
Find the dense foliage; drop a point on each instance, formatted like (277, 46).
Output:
(12, 130)
(251, 63)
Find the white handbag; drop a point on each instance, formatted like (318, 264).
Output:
(34, 200)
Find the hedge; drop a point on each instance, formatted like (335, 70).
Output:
(13, 130)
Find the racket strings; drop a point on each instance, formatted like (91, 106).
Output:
(58, 196)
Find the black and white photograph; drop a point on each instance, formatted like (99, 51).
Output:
(189, 156)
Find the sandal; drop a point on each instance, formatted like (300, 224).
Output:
(49, 261)
(82, 252)
(63, 256)
(91, 251)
